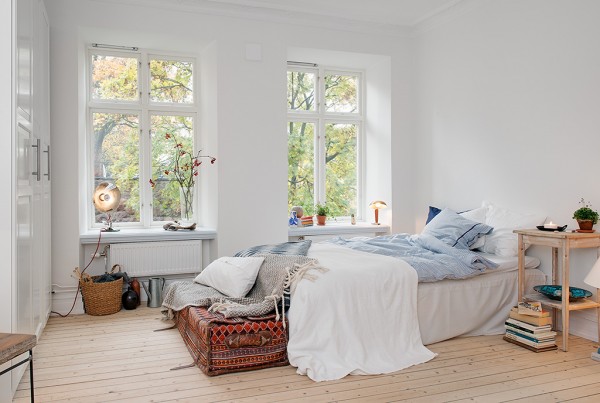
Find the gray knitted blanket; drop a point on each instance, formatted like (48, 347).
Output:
(277, 272)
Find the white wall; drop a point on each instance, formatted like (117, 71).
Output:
(243, 106)
(508, 101)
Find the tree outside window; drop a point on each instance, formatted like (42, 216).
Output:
(128, 119)
(324, 132)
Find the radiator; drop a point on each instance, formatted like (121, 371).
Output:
(157, 258)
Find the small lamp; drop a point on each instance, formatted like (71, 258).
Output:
(376, 205)
(593, 279)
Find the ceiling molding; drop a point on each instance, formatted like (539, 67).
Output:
(444, 15)
(253, 10)
(270, 15)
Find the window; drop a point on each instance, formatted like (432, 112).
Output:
(134, 99)
(325, 129)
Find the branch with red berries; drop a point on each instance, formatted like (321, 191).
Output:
(184, 168)
(185, 164)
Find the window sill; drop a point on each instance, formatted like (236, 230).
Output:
(146, 235)
(339, 229)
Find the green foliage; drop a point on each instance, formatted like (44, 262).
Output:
(321, 209)
(341, 93)
(301, 179)
(585, 212)
(181, 166)
(301, 90)
(341, 145)
(171, 81)
(341, 174)
(167, 132)
(116, 136)
(114, 78)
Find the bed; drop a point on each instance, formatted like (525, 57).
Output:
(372, 311)
(483, 301)
(361, 318)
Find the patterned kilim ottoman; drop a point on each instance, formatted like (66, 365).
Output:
(221, 346)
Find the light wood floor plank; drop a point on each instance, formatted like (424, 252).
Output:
(120, 358)
(528, 392)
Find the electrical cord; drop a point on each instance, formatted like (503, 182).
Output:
(78, 288)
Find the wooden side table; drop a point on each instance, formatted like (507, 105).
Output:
(565, 241)
(13, 345)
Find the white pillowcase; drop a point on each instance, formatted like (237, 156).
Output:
(232, 276)
(502, 241)
(477, 215)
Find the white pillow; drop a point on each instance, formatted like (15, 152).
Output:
(477, 215)
(502, 241)
(232, 276)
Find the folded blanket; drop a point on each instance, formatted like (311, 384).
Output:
(276, 273)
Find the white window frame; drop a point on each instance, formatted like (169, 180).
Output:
(321, 118)
(144, 108)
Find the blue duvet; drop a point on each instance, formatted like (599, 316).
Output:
(431, 258)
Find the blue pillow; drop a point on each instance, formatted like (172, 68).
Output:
(455, 230)
(286, 248)
(433, 211)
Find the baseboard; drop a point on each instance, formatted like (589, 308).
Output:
(63, 301)
(582, 324)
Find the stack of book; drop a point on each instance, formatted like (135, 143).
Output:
(532, 332)
(305, 221)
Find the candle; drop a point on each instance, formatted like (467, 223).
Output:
(551, 225)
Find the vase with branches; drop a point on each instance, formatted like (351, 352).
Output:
(183, 168)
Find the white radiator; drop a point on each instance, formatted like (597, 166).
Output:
(157, 258)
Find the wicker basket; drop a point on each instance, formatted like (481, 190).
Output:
(101, 298)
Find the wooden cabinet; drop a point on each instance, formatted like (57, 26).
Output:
(563, 241)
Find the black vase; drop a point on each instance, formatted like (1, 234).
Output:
(130, 299)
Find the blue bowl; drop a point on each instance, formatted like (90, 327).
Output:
(555, 292)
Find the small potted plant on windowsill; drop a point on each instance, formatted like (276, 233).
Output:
(321, 211)
(586, 217)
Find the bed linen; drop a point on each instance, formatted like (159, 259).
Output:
(432, 259)
(476, 306)
(358, 318)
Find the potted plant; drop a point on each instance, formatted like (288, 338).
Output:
(586, 217)
(322, 211)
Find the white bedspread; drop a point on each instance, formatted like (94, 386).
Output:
(360, 317)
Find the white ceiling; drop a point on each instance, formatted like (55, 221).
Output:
(400, 13)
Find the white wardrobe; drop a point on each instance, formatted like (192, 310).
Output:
(26, 290)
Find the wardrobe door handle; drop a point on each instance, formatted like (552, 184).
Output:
(47, 151)
(37, 173)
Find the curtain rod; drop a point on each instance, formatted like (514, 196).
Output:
(105, 46)
(302, 64)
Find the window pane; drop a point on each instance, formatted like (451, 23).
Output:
(341, 168)
(114, 78)
(116, 160)
(172, 160)
(301, 166)
(171, 81)
(341, 93)
(301, 90)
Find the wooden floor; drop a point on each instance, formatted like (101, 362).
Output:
(119, 357)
